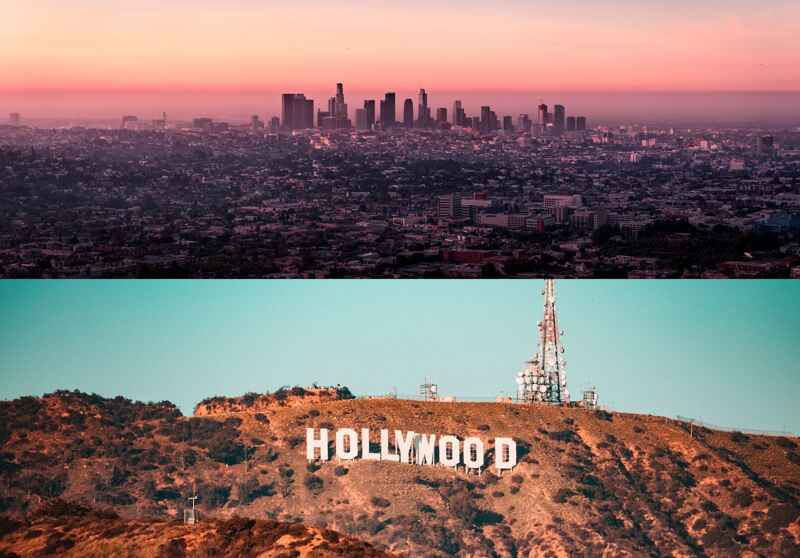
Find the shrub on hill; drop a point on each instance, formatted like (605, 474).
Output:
(380, 502)
(739, 438)
(314, 484)
(250, 490)
(166, 493)
(568, 436)
(604, 415)
(226, 450)
(785, 443)
(563, 495)
(742, 497)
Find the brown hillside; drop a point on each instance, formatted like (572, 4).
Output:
(588, 483)
(77, 532)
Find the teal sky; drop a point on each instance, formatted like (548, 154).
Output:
(726, 352)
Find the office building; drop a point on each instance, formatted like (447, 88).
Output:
(458, 114)
(580, 123)
(297, 112)
(448, 206)
(362, 121)
(388, 110)
(524, 123)
(408, 113)
(570, 123)
(340, 107)
(542, 116)
(559, 115)
(508, 124)
(423, 111)
(488, 119)
(287, 110)
(369, 106)
(441, 115)
(336, 117)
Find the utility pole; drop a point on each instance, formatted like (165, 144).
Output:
(193, 517)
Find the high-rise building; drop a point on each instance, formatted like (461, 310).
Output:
(508, 124)
(256, 123)
(486, 112)
(303, 113)
(488, 119)
(297, 112)
(388, 110)
(570, 123)
(559, 115)
(580, 123)
(362, 122)
(544, 378)
(542, 116)
(287, 110)
(408, 113)
(274, 124)
(458, 114)
(524, 123)
(14, 119)
(369, 106)
(423, 111)
(441, 115)
(336, 117)
(323, 116)
(340, 108)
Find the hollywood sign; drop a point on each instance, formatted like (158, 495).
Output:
(410, 447)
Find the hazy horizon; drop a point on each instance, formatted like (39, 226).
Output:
(685, 109)
(682, 63)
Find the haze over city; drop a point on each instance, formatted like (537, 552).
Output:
(618, 61)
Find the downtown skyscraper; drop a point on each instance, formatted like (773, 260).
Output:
(388, 110)
(297, 112)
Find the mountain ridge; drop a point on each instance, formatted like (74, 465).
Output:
(586, 482)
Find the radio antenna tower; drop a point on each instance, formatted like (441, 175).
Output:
(544, 378)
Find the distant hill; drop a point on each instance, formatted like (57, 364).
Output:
(588, 483)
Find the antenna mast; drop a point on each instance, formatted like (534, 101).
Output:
(544, 378)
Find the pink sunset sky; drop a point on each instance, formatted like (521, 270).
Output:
(249, 45)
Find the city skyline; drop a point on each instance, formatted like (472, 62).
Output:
(297, 113)
(211, 45)
(722, 352)
(773, 110)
